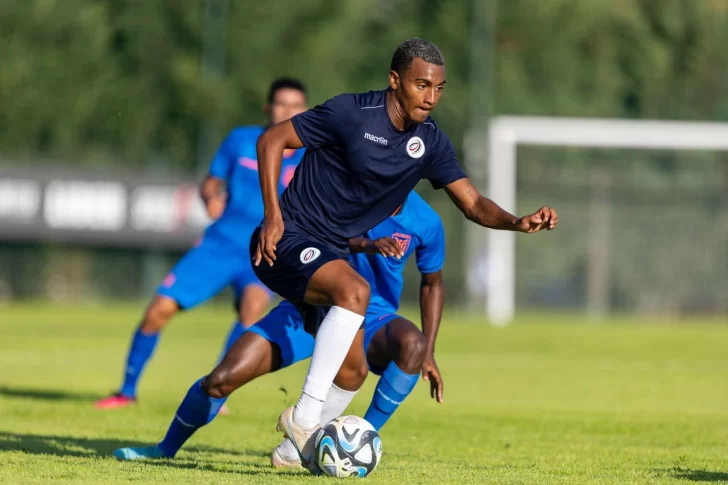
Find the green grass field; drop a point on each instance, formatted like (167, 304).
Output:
(545, 401)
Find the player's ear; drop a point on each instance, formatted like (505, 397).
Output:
(394, 80)
(266, 110)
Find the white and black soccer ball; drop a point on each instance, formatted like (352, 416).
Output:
(348, 446)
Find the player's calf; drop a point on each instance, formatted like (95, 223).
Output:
(250, 356)
(143, 343)
(400, 349)
(337, 284)
(354, 370)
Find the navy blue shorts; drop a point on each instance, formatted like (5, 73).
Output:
(298, 257)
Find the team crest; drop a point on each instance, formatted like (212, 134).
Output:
(309, 254)
(403, 240)
(415, 147)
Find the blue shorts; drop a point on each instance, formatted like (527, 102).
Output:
(373, 323)
(284, 327)
(205, 270)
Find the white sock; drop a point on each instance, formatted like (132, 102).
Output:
(335, 335)
(336, 403)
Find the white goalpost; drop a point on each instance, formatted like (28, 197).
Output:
(507, 133)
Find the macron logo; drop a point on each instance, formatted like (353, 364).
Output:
(378, 139)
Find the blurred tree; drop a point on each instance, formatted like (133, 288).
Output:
(118, 82)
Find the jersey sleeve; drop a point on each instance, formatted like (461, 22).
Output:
(430, 253)
(327, 123)
(443, 167)
(224, 159)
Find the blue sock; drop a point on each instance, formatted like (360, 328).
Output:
(392, 389)
(197, 410)
(235, 332)
(142, 348)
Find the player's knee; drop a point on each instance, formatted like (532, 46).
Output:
(218, 384)
(158, 314)
(252, 304)
(354, 296)
(352, 374)
(413, 350)
(251, 311)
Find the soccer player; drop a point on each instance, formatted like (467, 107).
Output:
(232, 196)
(365, 152)
(396, 349)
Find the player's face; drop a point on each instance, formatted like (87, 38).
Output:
(286, 104)
(418, 89)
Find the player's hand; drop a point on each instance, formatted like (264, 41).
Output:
(544, 218)
(431, 373)
(216, 206)
(386, 246)
(269, 235)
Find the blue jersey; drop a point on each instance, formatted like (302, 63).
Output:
(418, 229)
(236, 163)
(359, 168)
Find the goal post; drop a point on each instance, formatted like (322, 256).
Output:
(506, 133)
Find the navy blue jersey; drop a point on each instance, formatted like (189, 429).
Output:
(358, 168)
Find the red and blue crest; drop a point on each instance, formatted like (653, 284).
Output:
(403, 240)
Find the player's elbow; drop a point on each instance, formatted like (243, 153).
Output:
(277, 138)
(209, 187)
(434, 280)
(470, 211)
(264, 143)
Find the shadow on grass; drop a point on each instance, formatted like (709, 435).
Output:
(84, 447)
(47, 394)
(249, 468)
(89, 447)
(705, 476)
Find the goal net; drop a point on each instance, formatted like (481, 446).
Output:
(643, 216)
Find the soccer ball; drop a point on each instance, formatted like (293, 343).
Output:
(348, 446)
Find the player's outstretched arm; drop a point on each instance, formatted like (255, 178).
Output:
(270, 147)
(485, 212)
(213, 196)
(386, 246)
(432, 300)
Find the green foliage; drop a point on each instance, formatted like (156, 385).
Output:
(643, 59)
(119, 81)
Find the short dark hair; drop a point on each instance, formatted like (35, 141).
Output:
(285, 83)
(411, 49)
